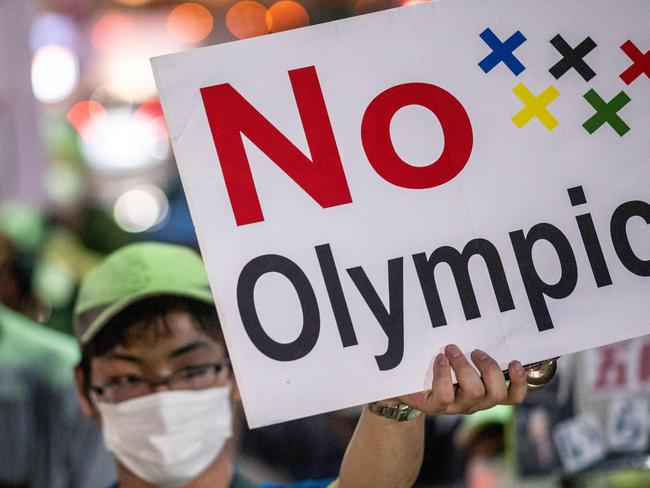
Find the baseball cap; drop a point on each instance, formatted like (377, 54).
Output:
(135, 272)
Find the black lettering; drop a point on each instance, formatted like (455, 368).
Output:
(459, 264)
(392, 322)
(536, 288)
(620, 239)
(272, 263)
(336, 296)
(590, 239)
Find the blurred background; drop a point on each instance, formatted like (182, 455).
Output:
(86, 167)
(82, 137)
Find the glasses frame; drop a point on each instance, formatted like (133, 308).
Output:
(101, 390)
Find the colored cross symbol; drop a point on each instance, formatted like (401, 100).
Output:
(502, 52)
(641, 62)
(535, 106)
(573, 58)
(606, 112)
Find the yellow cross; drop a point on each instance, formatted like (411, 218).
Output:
(535, 106)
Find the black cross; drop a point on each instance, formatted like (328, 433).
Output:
(572, 58)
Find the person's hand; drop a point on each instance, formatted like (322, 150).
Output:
(473, 392)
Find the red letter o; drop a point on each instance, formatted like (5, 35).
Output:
(456, 127)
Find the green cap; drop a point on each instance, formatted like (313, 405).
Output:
(135, 272)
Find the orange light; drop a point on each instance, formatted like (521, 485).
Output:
(111, 30)
(81, 113)
(413, 2)
(190, 23)
(247, 19)
(285, 15)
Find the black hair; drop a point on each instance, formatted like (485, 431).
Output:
(150, 312)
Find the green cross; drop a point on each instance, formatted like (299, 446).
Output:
(606, 112)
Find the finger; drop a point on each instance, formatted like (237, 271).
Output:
(496, 390)
(442, 389)
(470, 387)
(518, 384)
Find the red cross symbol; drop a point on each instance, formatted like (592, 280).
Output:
(641, 63)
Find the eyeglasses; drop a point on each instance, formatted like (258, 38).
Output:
(129, 386)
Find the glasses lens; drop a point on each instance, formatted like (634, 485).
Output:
(196, 377)
(121, 392)
(189, 378)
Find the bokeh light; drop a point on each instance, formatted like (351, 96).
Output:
(141, 208)
(55, 73)
(128, 75)
(55, 282)
(189, 23)
(51, 28)
(285, 15)
(82, 112)
(246, 19)
(153, 110)
(126, 44)
(123, 141)
(64, 184)
(111, 30)
(102, 93)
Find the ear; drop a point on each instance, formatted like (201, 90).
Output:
(86, 404)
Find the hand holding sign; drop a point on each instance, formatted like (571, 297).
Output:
(473, 392)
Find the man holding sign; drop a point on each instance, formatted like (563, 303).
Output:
(462, 172)
(344, 247)
(155, 372)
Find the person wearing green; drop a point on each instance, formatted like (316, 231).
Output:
(155, 373)
(45, 441)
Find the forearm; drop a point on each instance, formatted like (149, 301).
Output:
(383, 453)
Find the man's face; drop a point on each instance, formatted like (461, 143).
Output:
(175, 354)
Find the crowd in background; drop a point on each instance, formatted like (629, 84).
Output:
(109, 179)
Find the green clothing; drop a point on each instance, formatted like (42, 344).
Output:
(24, 344)
(45, 441)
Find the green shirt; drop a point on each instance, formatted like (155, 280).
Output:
(45, 439)
(25, 344)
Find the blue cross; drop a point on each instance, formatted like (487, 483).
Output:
(502, 51)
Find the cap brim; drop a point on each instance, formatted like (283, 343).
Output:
(111, 311)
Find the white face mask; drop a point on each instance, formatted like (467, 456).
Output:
(168, 438)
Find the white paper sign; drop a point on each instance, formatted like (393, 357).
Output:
(580, 442)
(622, 368)
(628, 425)
(341, 176)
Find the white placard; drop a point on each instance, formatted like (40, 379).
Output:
(628, 425)
(580, 442)
(331, 170)
(621, 368)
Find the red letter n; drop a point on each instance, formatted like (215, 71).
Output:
(230, 116)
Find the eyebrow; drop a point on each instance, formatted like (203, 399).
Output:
(192, 346)
(125, 357)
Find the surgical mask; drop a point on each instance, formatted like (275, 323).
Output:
(168, 438)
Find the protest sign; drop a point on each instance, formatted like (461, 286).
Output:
(368, 190)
